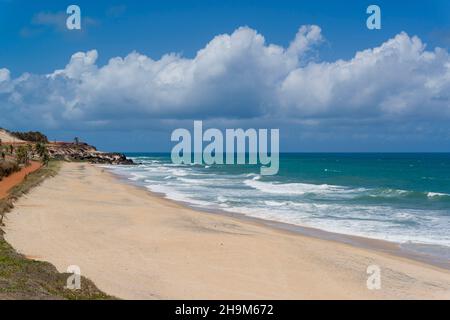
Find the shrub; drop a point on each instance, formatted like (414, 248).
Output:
(31, 136)
(22, 155)
(8, 167)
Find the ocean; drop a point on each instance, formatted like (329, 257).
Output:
(402, 198)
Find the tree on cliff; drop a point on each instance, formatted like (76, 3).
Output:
(22, 155)
(40, 149)
(42, 152)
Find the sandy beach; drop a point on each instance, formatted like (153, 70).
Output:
(136, 245)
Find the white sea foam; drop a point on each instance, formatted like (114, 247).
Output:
(437, 194)
(136, 176)
(293, 188)
(194, 181)
(276, 203)
(169, 193)
(179, 172)
(222, 199)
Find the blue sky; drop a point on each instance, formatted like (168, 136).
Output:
(387, 118)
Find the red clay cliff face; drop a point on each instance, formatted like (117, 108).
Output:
(14, 179)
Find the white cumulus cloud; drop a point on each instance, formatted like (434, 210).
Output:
(237, 76)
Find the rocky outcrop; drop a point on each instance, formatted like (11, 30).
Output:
(84, 152)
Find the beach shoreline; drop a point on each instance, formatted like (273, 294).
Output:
(384, 246)
(147, 247)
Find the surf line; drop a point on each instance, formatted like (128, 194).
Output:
(234, 144)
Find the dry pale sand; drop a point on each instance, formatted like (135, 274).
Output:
(136, 245)
(5, 137)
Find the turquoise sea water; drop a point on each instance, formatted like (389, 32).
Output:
(403, 198)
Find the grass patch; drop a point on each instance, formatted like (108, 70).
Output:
(22, 278)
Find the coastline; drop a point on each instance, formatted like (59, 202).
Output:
(135, 244)
(384, 246)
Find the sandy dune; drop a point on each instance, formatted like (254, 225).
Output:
(135, 245)
(5, 137)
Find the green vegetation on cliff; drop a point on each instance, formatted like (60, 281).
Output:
(31, 136)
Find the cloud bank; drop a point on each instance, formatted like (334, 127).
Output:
(237, 76)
